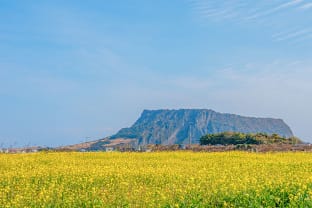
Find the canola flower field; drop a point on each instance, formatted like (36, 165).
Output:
(158, 179)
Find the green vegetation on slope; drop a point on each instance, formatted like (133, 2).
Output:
(226, 138)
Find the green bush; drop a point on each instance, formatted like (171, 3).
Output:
(235, 138)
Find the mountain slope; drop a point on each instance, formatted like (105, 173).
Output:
(188, 125)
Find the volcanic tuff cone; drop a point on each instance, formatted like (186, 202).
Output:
(186, 126)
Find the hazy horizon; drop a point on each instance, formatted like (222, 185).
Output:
(75, 71)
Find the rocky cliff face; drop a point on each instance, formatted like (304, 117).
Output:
(188, 125)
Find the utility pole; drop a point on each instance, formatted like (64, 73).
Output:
(190, 135)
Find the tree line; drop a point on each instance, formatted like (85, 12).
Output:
(227, 138)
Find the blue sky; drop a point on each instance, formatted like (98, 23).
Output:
(76, 69)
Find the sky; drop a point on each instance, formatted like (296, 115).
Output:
(74, 71)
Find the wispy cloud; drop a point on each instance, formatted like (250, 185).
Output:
(248, 10)
(272, 14)
(275, 9)
(306, 6)
(294, 35)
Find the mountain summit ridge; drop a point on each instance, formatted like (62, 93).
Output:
(184, 126)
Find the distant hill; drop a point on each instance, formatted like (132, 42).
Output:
(186, 126)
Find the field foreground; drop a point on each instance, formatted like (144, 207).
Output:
(164, 179)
